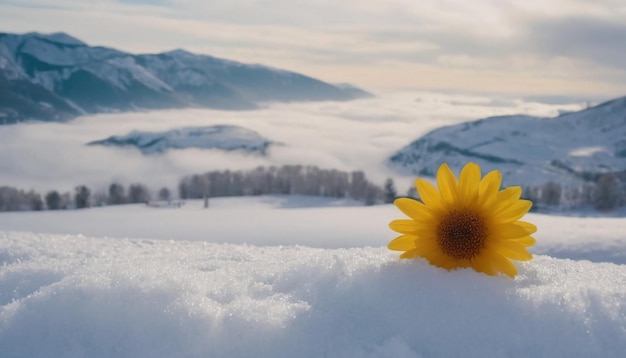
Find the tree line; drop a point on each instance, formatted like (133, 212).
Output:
(12, 199)
(288, 180)
(604, 192)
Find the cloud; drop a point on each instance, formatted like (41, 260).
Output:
(595, 40)
(356, 135)
(567, 46)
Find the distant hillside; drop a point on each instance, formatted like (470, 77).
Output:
(57, 77)
(569, 149)
(223, 137)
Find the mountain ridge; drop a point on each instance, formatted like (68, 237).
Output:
(221, 137)
(571, 148)
(57, 77)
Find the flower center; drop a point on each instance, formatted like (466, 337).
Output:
(462, 234)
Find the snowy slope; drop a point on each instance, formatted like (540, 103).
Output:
(100, 79)
(224, 137)
(70, 295)
(528, 150)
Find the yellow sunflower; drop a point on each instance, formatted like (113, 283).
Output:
(466, 223)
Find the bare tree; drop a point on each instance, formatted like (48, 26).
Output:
(551, 193)
(12, 199)
(36, 203)
(412, 192)
(289, 179)
(608, 193)
(82, 195)
(138, 193)
(100, 198)
(66, 201)
(53, 200)
(117, 194)
(390, 191)
(164, 194)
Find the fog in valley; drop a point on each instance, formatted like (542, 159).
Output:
(354, 135)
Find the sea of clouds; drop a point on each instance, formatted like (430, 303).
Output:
(355, 135)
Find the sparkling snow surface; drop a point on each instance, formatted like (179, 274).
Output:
(91, 296)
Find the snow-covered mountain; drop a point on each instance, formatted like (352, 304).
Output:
(570, 148)
(224, 137)
(56, 77)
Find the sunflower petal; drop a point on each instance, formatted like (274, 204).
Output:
(444, 261)
(531, 228)
(526, 241)
(489, 186)
(513, 250)
(410, 254)
(403, 243)
(502, 264)
(469, 181)
(510, 193)
(412, 208)
(404, 226)
(514, 212)
(446, 181)
(426, 247)
(429, 195)
(512, 230)
(482, 264)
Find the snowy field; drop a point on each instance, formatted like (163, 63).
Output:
(295, 277)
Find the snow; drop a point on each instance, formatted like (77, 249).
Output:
(300, 220)
(8, 67)
(279, 276)
(528, 150)
(61, 37)
(352, 135)
(180, 68)
(225, 137)
(62, 50)
(588, 151)
(138, 73)
(56, 54)
(50, 80)
(122, 71)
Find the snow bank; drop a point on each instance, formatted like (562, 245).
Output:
(75, 296)
(301, 220)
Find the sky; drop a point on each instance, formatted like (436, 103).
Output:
(534, 48)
